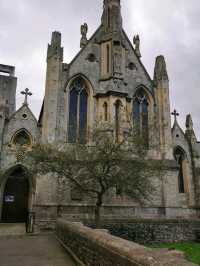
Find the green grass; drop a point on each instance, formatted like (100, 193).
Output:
(192, 250)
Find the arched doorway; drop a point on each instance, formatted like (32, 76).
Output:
(16, 197)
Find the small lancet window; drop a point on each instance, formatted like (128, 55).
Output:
(118, 105)
(22, 138)
(108, 17)
(180, 157)
(105, 107)
(108, 58)
(78, 111)
(141, 115)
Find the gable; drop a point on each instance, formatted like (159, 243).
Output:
(137, 76)
(178, 139)
(83, 64)
(23, 118)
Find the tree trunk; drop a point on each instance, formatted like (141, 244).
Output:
(98, 211)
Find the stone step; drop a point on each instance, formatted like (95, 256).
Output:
(15, 229)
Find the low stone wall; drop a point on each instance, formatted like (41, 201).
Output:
(145, 231)
(99, 248)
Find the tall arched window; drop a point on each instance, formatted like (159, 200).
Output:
(108, 58)
(118, 105)
(141, 115)
(78, 109)
(180, 157)
(108, 17)
(105, 107)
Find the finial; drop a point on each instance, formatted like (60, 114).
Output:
(136, 42)
(175, 114)
(189, 122)
(84, 30)
(56, 38)
(160, 70)
(190, 134)
(27, 93)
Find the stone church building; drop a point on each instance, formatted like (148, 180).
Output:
(107, 82)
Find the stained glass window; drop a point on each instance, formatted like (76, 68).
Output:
(83, 116)
(78, 109)
(73, 115)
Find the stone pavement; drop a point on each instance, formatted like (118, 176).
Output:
(43, 250)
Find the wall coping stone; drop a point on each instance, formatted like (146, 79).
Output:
(135, 254)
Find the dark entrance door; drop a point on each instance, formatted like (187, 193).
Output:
(15, 198)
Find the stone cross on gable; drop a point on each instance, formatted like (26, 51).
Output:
(175, 114)
(27, 93)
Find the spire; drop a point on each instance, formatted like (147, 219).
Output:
(160, 70)
(111, 18)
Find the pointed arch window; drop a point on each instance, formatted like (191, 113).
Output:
(108, 17)
(180, 157)
(22, 138)
(118, 105)
(105, 107)
(108, 58)
(141, 115)
(78, 110)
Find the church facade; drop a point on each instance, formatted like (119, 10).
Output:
(106, 82)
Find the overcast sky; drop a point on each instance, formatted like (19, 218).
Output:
(169, 27)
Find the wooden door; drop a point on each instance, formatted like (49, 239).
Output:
(15, 200)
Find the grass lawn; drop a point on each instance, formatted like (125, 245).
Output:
(192, 250)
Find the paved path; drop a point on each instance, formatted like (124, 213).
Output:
(33, 251)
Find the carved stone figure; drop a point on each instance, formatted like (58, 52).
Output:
(136, 42)
(84, 30)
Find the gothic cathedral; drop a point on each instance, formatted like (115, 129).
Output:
(106, 81)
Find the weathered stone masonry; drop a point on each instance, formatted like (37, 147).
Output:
(99, 248)
(118, 91)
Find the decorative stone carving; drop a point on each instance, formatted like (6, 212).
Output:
(189, 122)
(132, 66)
(84, 30)
(136, 42)
(91, 57)
(27, 93)
(160, 71)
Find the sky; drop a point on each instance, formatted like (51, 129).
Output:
(169, 27)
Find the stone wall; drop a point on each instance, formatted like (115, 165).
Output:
(99, 248)
(154, 230)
